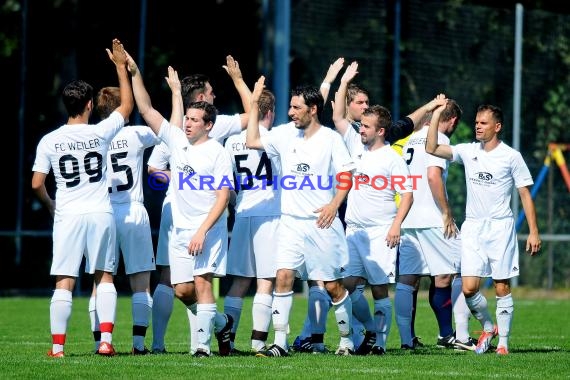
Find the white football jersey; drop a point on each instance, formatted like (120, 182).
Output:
(125, 162)
(424, 212)
(159, 159)
(197, 171)
(255, 173)
(309, 168)
(490, 177)
(379, 175)
(77, 154)
(225, 126)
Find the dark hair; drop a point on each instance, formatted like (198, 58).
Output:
(383, 115)
(352, 90)
(108, 100)
(495, 111)
(75, 97)
(311, 95)
(266, 103)
(192, 86)
(210, 111)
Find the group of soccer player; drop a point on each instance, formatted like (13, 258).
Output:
(389, 234)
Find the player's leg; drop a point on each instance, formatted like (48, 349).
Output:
(233, 302)
(141, 309)
(162, 305)
(261, 313)
(163, 295)
(95, 329)
(441, 304)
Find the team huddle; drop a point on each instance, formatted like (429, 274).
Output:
(340, 239)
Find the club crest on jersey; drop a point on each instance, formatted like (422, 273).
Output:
(301, 168)
(484, 176)
(187, 169)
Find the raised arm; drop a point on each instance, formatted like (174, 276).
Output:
(432, 144)
(331, 75)
(340, 121)
(152, 117)
(177, 113)
(119, 57)
(233, 70)
(252, 136)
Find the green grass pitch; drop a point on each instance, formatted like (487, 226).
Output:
(539, 345)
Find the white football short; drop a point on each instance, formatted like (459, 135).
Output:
(134, 238)
(183, 266)
(489, 248)
(425, 251)
(252, 247)
(301, 246)
(369, 255)
(91, 235)
(164, 232)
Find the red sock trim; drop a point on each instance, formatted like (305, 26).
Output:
(106, 327)
(58, 339)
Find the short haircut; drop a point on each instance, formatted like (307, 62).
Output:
(311, 95)
(108, 100)
(75, 97)
(383, 115)
(266, 103)
(495, 111)
(210, 111)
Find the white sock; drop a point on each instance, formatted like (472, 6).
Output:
(59, 313)
(205, 315)
(383, 319)
(141, 308)
(163, 303)
(461, 311)
(281, 309)
(94, 322)
(403, 303)
(261, 314)
(106, 304)
(343, 316)
(478, 306)
(504, 314)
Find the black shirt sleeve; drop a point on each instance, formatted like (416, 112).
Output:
(400, 129)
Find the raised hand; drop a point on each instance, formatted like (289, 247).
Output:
(118, 55)
(172, 80)
(334, 69)
(232, 68)
(350, 72)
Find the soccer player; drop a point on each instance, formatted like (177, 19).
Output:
(430, 243)
(194, 88)
(257, 211)
(373, 222)
(311, 236)
(488, 235)
(83, 217)
(201, 179)
(343, 120)
(134, 238)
